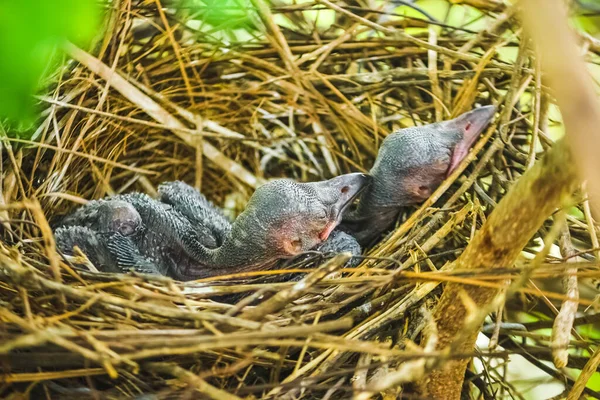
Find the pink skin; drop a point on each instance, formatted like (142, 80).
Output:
(324, 235)
(339, 211)
(348, 186)
(471, 124)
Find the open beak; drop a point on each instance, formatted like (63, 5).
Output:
(470, 124)
(348, 186)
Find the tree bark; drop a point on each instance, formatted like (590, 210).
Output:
(566, 73)
(539, 192)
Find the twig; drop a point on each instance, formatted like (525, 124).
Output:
(191, 379)
(563, 323)
(499, 242)
(159, 114)
(281, 299)
(546, 22)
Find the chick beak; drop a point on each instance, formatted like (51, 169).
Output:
(470, 124)
(348, 186)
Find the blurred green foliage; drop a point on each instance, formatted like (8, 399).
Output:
(222, 14)
(30, 32)
(587, 15)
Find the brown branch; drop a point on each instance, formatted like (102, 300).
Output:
(511, 225)
(281, 299)
(586, 373)
(153, 109)
(191, 379)
(569, 78)
(576, 96)
(35, 281)
(539, 191)
(561, 332)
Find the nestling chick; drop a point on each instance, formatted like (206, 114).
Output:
(183, 237)
(410, 166)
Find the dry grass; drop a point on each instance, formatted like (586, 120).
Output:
(169, 102)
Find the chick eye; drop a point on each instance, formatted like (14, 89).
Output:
(423, 191)
(292, 247)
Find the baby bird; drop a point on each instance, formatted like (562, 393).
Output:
(410, 166)
(185, 237)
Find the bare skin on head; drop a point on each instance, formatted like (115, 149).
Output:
(186, 237)
(410, 166)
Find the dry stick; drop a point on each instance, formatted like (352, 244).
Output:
(38, 214)
(328, 358)
(54, 335)
(586, 374)
(176, 49)
(280, 43)
(419, 292)
(221, 132)
(199, 155)
(438, 98)
(347, 346)
(539, 118)
(401, 35)
(157, 112)
(576, 96)
(144, 344)
(323, 51)
(283, 298)
(47, 376)
(399, 75)
(510, 226)
(499, 22)
(591, 228)
(189, 116)
(573, 88)
(191, 379)
(359, 380)
(33, 280)
(563, 323)
(90, 157)
(411, 370)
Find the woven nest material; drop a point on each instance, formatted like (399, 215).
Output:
(160, 99)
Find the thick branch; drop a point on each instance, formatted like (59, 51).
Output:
(511, 225)
(568, 76)
(537, 193)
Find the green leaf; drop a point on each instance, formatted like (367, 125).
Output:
(30, 31)
(222, 14)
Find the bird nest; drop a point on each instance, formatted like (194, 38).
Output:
(164, 96)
